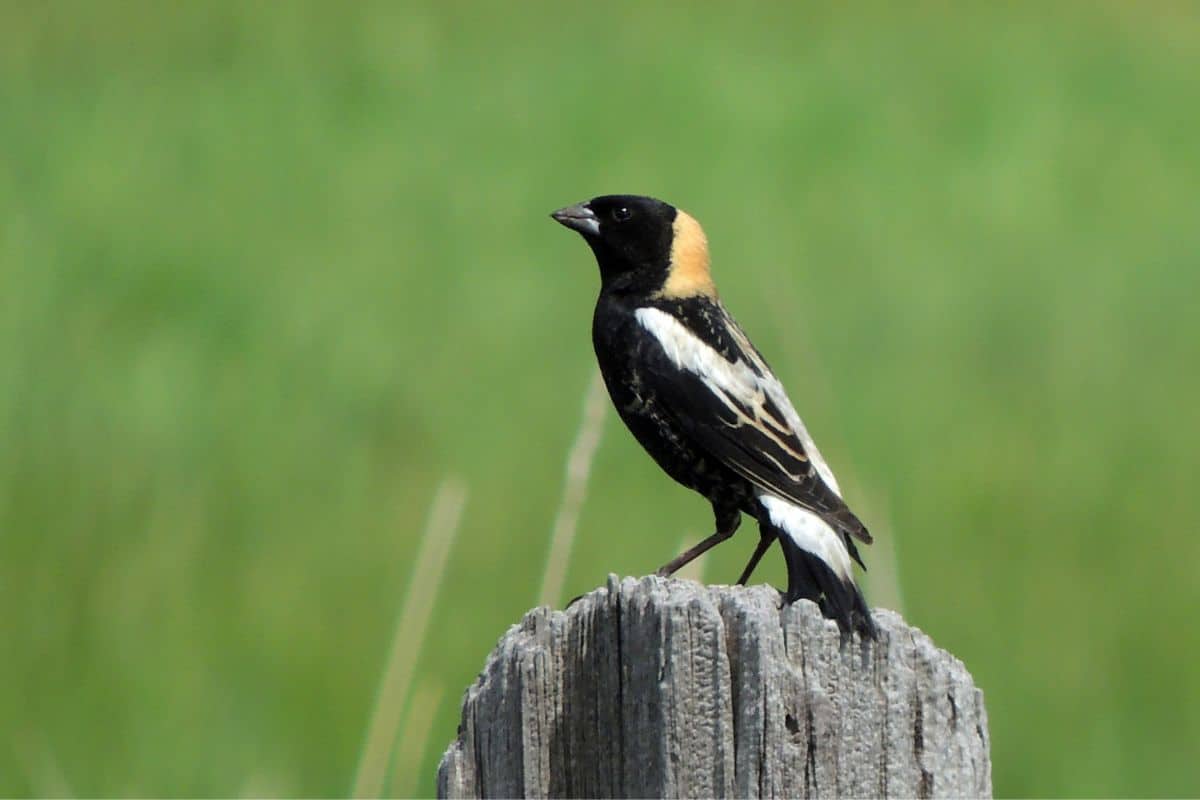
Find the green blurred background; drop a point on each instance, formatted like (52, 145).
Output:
(269, 273)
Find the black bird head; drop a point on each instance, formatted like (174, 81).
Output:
(642, 245)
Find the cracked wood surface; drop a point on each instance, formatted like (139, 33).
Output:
(663, 688)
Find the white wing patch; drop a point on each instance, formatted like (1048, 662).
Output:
(809, 532)
(688, 351)
(737, 381)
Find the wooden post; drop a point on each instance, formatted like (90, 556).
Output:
(663, 688)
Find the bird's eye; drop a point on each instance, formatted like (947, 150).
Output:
(621, 213)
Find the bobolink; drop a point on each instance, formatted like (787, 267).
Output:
(704, 404)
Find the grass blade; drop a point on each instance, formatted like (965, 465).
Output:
(421, 713)
(411, 623)
(579, 466)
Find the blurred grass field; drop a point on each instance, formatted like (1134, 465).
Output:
(270, 273)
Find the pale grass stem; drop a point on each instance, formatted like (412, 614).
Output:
(258, 784)
(411, 623)
(883, 579)
(422, 709)
(579, 466)
(45, 773)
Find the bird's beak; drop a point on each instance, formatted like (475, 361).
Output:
(578, 218)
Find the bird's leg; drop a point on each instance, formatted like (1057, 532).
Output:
(764, 541)
(728, 520)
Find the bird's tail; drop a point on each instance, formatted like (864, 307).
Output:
(818, 565)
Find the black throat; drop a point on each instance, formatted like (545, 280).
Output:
(621, 275)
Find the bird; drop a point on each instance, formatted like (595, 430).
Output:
(701, 400)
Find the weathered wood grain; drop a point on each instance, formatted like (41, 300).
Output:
(661, 688)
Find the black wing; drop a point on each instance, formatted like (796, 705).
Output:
(736, 409)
